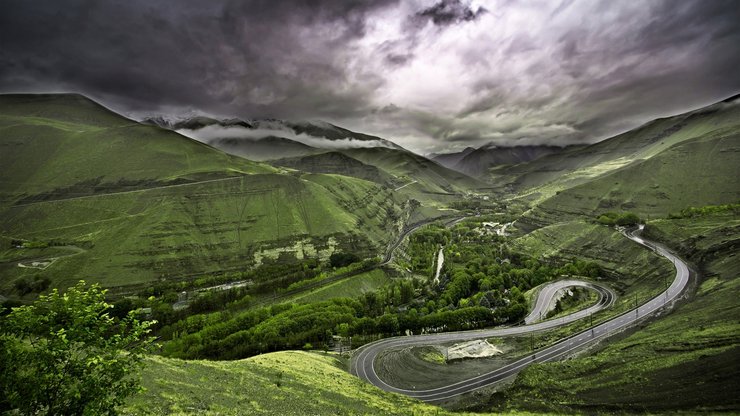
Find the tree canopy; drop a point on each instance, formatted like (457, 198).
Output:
(65, 354)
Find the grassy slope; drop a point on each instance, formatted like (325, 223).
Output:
(337, 163)
(347, 288)
(629, 269)
(433, 182)
(545, 177)
(175, 232)
(57, 141)
(702, 171)
(61, 146)
(687, 360)
(309, 384)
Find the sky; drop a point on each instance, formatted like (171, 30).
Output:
(433, 76)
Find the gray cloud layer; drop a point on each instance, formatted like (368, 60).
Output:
(432, 75)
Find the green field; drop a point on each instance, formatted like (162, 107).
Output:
(347, 288)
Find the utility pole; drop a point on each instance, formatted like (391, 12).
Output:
(637, 310)
(531, 341)
(665, 283)
(591, 320)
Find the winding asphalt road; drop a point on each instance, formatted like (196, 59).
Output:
(363, 360)
(547, 295)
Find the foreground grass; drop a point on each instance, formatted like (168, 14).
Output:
(282, 383)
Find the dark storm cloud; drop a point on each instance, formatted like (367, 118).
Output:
(604, 78)
(430, 74)
(448, 12)
(256, 57)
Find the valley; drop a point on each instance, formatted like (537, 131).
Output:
(346, 274)
(360, 208)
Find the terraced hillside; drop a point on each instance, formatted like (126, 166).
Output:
(110, 200)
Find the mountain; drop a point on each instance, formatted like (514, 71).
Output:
(365, 156)
(420, 174)
(194, 123)
(692, 159)
(337, 163)
(332, 132)
(124, 204)
(449, 160)
(477, 162)
(267, 148)
(55, 144)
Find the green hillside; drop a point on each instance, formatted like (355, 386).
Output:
(182, 231)
(55, 146)
(424, 179)
(545, 177)
(702, 171)
(665, 166)
(282, 383)
(106, 199)
(337, 163)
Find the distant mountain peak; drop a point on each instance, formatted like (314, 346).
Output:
(475, 162)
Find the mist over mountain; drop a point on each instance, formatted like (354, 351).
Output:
(262, 149)
(316, 134)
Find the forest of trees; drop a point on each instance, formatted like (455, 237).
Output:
(483, 284)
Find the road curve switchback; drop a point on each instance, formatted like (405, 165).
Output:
(363, 361)
(548, 292)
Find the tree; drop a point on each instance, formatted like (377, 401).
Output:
(342, 259)
(65, 354)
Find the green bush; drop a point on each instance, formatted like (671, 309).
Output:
(706, 210)
(621, 219)
(64, 355)
(342, 259)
